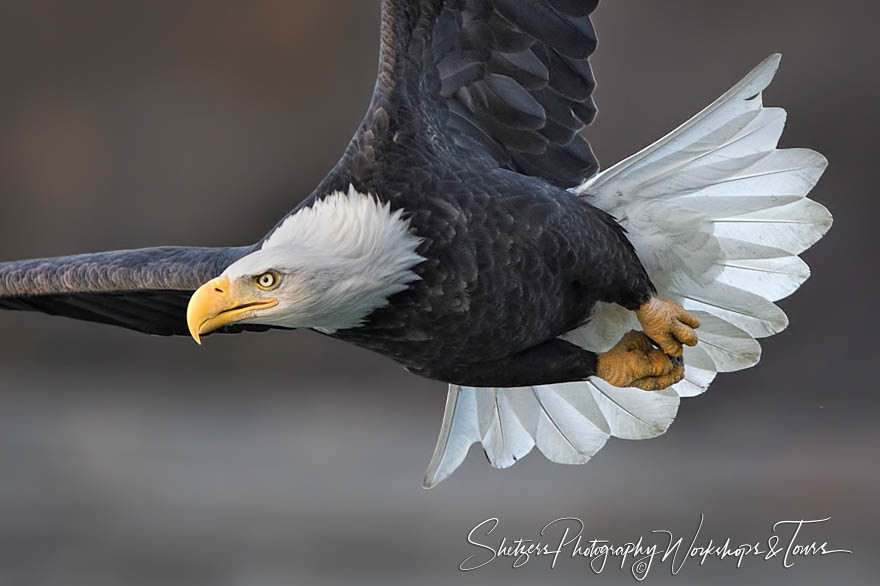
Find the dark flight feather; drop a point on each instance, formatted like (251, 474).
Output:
(524, 67)
(513, 49)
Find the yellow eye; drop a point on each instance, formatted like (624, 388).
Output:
(267, 281)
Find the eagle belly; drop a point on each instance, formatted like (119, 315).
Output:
(503, 272)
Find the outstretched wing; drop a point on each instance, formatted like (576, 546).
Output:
(506, 79)
(512, 75)
(146, 290)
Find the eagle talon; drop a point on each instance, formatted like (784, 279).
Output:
(635, 362)
(668, 324)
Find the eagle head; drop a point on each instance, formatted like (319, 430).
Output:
(325, 267)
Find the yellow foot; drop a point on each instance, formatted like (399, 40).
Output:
(668, 324)
(635, 362)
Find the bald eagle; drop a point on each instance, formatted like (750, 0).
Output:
(466, 234)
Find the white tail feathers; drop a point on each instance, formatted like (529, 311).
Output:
(717, 215)
(568, 422)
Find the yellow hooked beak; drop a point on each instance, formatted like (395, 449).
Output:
(214, 305)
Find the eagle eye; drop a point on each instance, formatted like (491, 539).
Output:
(267, 281)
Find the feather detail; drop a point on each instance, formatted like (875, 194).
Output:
(568, 422)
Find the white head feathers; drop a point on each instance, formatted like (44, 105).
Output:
(339, 260)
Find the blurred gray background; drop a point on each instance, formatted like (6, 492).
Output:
(289, 458)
